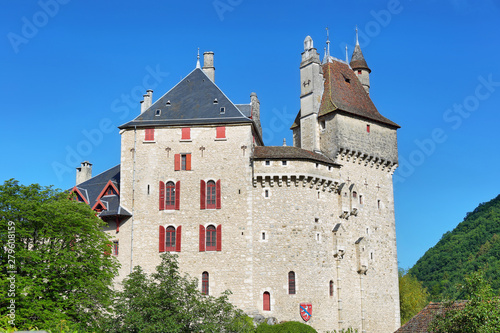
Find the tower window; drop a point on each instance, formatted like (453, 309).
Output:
(268, 163)
(170, 239)
(283, 162)
(211, 238)
(291, 283)
(263, 236)
(331, 288)
(354, 194)
(368, 128)
(266, 301)
(204, 283)
(115, 248)
(359, 71)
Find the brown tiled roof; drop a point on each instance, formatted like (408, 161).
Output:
(421, 321)
(288, 153)
(344, 92)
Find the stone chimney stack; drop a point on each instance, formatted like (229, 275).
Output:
(208, 65)
(254, 102)
(148, 100)
(84, 172)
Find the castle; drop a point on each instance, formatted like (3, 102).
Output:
(303, 233)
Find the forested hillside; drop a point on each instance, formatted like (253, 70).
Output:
(473, 244)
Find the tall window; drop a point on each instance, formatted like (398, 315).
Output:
(211, 193)
(170, 239)
(291, 283)
(266, 301)
(115, 247)
(331, 288)
(211, 238)
(204, 283)
(170, 195)
(186, 133)
(182, 162)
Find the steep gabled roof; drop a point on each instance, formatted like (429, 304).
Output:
(343, 92)
(358, 60)
(195, 100)
(93, 191)
(289, 153)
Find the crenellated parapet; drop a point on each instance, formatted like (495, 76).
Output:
(312, 181)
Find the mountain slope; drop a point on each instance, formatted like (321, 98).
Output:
(473, 244)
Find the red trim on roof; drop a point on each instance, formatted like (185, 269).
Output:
(75, 189)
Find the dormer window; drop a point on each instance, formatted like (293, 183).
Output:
(158, 112)
(216, 101)
(168, 103)
(222, 110)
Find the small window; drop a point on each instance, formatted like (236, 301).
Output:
(158, 112)
(170, 239)
(204, 283)
(266, 300)
(110, 191)
(283, 162)
(216, 101)
(291, 283)
(221, 132)
(331, 288)
(359, 71)
(371, 255)
(268, 163)
(115, 248)
(360, 199)
(266, 193)
(263, 236)
(368, 128)
(168, 103)
(348, 80)
(222, 110)
(317, 165)
(149, 134)
(316, 220)
(186, 133)
(378, 204)
(322, 124)
(354, 194)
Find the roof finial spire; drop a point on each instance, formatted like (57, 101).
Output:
(198, 59)
(327, 43)
(357, 40)
(346, 56)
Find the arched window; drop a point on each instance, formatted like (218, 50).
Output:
(170, 195)
(211, 238)
(291, 283)
(204, 283)
(331, 288)
(211, 194)
(170, 239)
(267, 301)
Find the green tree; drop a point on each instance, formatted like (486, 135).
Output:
(481, 314)
(166, 301)
(413, 297)
(53, 265)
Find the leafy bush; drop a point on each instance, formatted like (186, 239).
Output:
(287, 327)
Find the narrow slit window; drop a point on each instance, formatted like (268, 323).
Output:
(368, 128)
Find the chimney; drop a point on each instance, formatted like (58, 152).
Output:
(208, 65)
(148, 99)
(255, 104)
(84, 172)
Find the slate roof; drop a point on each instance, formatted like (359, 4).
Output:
(192, 102)
(420, 322)
(344, 93)
(92, 188)
(288, 153)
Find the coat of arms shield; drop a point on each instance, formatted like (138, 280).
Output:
(305, 311)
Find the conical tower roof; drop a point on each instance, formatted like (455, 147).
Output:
(358, 60)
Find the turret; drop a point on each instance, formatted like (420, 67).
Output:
(311, 89)
(360, 67)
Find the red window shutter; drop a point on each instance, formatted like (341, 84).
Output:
(186, 133)
(150, 134)
(217, 190)
(177, 195)
(202, 194)
(368, 128)
(202, 238)
(267, 301)
(178, 239)
(162, 239)
(219, 238)
(177, 162)
(188, 161)
(162, 195)
(221, 132)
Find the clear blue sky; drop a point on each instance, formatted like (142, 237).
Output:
(72, 67)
